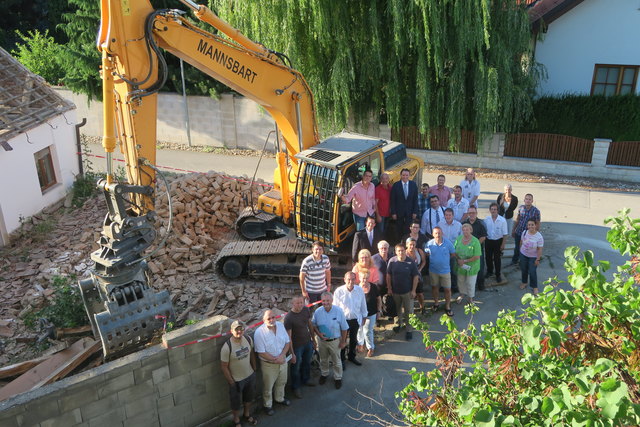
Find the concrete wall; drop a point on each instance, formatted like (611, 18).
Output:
(232, 121)
(154, 387)
(20, 194)
(492, 157)
(593, 32)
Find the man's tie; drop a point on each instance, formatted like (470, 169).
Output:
(437, 217)
(370, 238)
(406, 189)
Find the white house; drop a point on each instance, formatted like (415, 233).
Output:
(587, 46)
(38, 161)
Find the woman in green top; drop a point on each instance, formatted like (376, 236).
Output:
(468, 257)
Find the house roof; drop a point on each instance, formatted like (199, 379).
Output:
(547, 11)
(26, 100)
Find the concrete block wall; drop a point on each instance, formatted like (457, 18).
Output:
(154, 387)
(232, 121)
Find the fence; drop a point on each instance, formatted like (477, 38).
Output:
(438, 139)
(624, 153)
(549, 146)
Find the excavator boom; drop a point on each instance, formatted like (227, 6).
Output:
(123, 309)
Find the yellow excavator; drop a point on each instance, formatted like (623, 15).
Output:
(304, 205)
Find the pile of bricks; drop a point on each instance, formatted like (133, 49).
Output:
(204, 208)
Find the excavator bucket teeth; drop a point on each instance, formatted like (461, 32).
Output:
(131, 325)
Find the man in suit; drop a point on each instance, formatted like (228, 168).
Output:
(404, 202)
(366, 239)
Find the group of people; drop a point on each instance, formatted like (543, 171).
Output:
(286, 348)
(438, 241)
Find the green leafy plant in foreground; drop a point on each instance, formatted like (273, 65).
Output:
(570, 358)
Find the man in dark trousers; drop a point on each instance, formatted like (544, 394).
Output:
(404, 202)
(366, 239)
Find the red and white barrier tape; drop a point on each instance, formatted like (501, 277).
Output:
(224, 334)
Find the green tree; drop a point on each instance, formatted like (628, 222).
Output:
(571, 358)
(82, 58)
(453, 64)
(40, 54)
(79, 55)
(38, 15)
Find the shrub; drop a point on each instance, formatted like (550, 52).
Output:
(66, 309)
(40, 54)
(571, 358)
(586, 116)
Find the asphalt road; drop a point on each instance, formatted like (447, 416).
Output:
(570, 216)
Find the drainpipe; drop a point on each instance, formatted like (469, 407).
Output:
(79, 146)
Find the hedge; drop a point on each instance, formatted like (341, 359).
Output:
(586, 116)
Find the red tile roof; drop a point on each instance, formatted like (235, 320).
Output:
(549, 10)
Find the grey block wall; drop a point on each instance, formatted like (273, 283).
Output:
(154, 387)
(232, 121)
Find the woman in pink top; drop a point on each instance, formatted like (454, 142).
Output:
(531, 245)
(365, 266)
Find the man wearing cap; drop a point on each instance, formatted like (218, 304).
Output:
(238, 364)
(331, 328)
(297, 322)
(272, 346)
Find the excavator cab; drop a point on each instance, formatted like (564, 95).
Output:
(329, 170)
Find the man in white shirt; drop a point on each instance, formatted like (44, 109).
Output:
(470, 188)
(272, 344)
(451, 228)
(350, 298)
(432, 216)
(459, 204)
(494, 245)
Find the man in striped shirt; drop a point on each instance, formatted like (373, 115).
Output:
(315, 274)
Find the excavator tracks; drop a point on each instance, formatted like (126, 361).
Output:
(269, 259)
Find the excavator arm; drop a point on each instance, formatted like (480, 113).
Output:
(123, 309)
(134, 70)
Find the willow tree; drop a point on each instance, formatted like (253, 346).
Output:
(458, 64)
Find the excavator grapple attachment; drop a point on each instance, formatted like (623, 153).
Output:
(129, 318)
(124, 310)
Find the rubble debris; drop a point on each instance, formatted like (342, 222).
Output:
(52, 369)
(205, 207)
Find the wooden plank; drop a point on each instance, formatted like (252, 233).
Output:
(90, 347)
(21, 367)
(69, 332)
(57, 366)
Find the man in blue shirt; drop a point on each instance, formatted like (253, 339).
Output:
(440, 252)
(331, 328)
